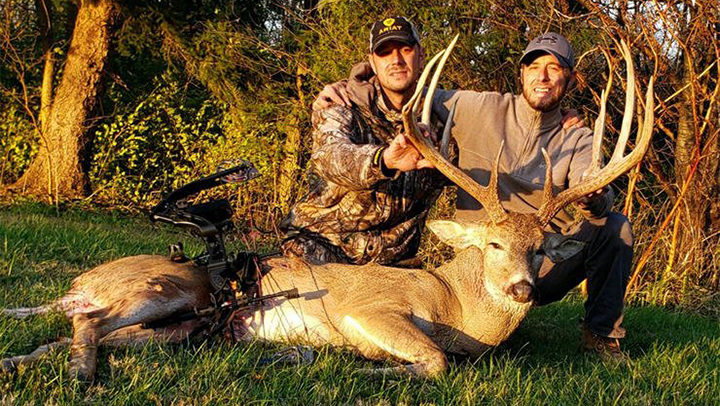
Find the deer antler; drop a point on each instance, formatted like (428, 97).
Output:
(487, 196)
(596, 177)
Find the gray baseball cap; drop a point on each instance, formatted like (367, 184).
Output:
(551, 43)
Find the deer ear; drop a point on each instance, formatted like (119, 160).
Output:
(559, 247)
(458, 235)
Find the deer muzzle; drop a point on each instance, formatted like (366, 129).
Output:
(522, 292)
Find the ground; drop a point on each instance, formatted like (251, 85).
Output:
(674, 353)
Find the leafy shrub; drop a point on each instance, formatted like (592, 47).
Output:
(18, 143)
(177, 133)
(160, 143)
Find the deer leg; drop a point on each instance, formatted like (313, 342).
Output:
(137, 336)
(83, 350)
(396, 335)
(11, 364)
(22, 312)
(91, 327)
(131, 335)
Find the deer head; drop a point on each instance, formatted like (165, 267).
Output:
(514, 244)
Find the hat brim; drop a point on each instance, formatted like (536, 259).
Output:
(404, 38)
(534, 52)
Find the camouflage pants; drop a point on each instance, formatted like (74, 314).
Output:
(318, 250)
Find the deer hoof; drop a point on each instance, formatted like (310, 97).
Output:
(82, 371)
(84, 375)
(7, 365)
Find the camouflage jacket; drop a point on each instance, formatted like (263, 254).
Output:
(354, 212)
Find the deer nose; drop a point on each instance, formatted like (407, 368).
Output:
(522, 292)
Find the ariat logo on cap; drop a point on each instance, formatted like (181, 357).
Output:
(390, 28)
(393, 28)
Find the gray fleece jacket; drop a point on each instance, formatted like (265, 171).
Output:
(483, 120)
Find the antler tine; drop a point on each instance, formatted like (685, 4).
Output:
(414, 102)
(596, 161)
(487, 196)
(629, 103)
(427, 108)
(618, 164)
(547, 189)
(491, 189)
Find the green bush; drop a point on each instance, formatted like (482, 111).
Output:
(159, 143)
(18, 143)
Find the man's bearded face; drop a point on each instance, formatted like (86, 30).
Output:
(397, 65)
(544, 82)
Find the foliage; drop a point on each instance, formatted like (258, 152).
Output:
(194, 83)
(159, 144)
(17, 145)
(18, 65)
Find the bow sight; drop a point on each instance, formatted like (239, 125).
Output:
(209, 221)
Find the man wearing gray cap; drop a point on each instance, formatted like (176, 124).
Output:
(526, 124)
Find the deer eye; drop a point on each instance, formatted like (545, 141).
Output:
(494, 245)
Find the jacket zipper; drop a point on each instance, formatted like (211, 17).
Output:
(521, 159)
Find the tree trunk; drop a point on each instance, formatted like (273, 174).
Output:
(57, 169)
(290, 167)
(697, 146)
(46, 89)
(685, 141)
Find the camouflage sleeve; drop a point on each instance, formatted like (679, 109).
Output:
(337, 158)
(597, 206)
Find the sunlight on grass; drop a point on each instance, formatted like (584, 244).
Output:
(674, 354)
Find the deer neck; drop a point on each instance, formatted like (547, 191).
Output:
(465, 275)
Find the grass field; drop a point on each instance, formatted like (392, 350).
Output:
(675, 355)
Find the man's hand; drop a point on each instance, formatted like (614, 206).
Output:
(335, 93)
(571, 119)
(585, 200)
(403, 156)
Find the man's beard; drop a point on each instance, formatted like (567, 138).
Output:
(545, 105)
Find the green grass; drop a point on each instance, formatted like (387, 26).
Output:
(674, 354)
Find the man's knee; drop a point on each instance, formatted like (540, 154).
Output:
(617, 229)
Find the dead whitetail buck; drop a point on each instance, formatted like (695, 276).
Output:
(474, 301)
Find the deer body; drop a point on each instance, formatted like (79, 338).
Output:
(408, 314)
(335, 297)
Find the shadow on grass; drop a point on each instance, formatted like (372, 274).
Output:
(550, 335)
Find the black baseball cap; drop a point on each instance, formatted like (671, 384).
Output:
(393, 28)
(551, 43)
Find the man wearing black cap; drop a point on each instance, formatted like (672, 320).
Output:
(370, 189)
(526, 124)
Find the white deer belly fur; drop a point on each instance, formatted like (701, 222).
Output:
(284, 321)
